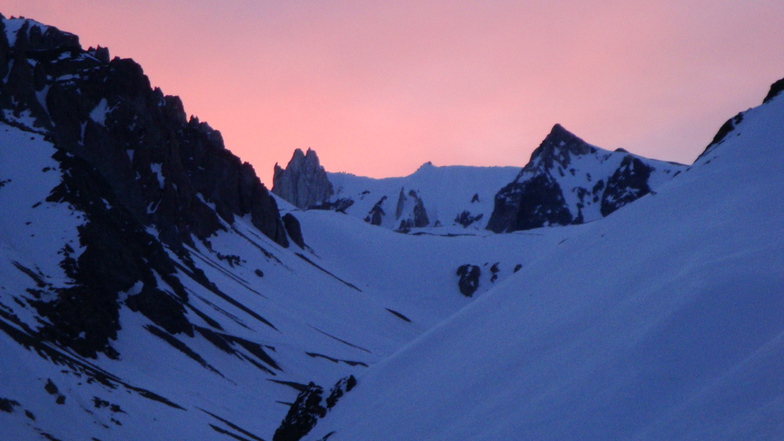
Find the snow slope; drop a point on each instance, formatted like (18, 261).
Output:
(446, 192)
(415, 274)
(270, 321)
(663, 321)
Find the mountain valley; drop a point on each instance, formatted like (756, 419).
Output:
(151, 287)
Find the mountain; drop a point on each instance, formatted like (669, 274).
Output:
(303, 182)
(567, 181)
(453, 196)
(662, 321)
(151, 287)
(146, 275)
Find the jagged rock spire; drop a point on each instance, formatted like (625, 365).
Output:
(303, 182)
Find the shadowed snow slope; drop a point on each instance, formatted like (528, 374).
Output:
(150, 289)
(663, 321)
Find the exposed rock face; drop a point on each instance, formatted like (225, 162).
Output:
(303, 182)
(308, 409)
(568, 181)
(465, 218)
(775, 90)
(469, 279)
(410, 211)
(293, 229)
(627, 184)
(729, 126)
(376, 214)
(133, 164)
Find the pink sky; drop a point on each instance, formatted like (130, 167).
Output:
(378, 88)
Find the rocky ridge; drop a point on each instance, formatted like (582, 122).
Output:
(145, 177)
(568, 181)
(452, 196)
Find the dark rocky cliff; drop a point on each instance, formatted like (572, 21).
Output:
(145, 177)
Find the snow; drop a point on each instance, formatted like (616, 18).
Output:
(662, 321)
(41, 95)
(156, 170)
(442, 189)
(34, 232)
(659, 322)
(12, 27)
(98, 114)
(415, 275)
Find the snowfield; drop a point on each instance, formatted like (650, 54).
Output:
(173, 302)
(662, 321)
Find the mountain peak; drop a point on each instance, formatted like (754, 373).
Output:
(568, 181)
(558, 147)
(424, 167)
(304, 181)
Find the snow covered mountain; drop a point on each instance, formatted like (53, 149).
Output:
(146, 276)
(567, 181)
(151, 287)
(458, 196)
(663, 321)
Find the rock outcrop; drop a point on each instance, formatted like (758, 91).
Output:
(303, 182)
(309, 407)
(145, 177)
(469, 279)
(410, 211)
(431, 197)
(568, 181)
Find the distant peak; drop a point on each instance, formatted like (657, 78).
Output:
(558, 129)
(557, 146)
(300, 159)
(560, 137)
(424, 168)
(304, 181)
(775, 89)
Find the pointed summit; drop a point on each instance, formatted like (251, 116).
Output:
(568, 181)
(303, 182)
(558, 146)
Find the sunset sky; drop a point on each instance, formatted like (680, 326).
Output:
(377, 88)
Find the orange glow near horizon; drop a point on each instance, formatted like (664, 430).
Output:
(378, 88)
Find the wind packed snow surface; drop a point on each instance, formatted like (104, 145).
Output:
(664, 321)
